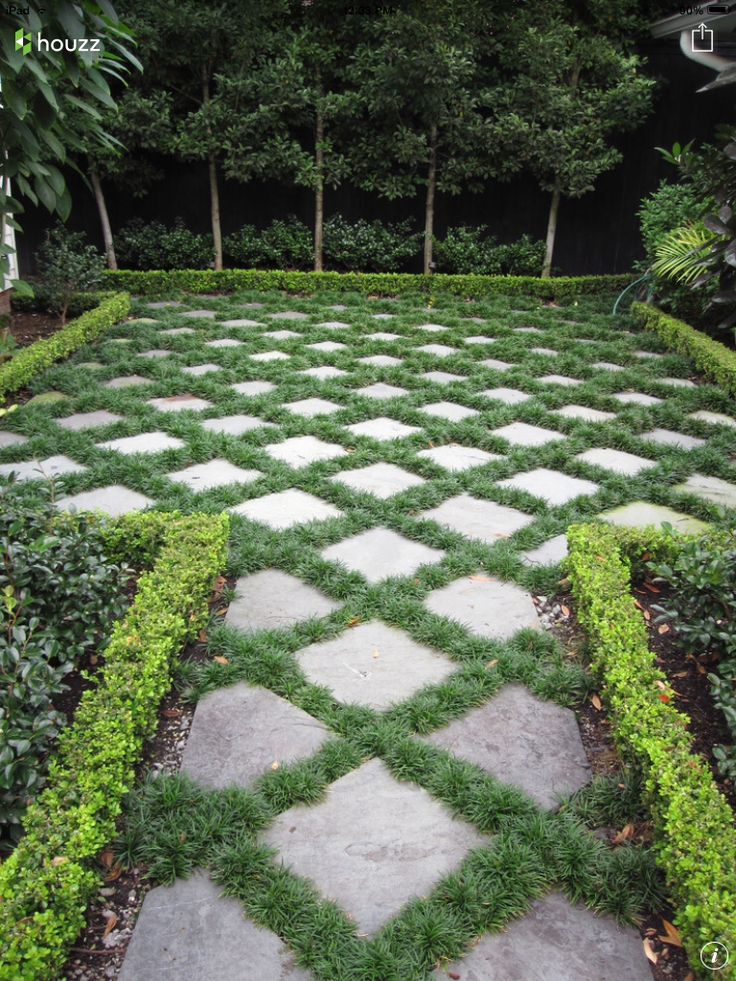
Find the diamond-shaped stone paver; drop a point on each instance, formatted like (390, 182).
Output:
(636, 398)
(114, 500)
(549, 553)
(240, 322)
(334, 325)
(509, 396)
(179, 403)
(270, 356)
(177, 331)
(442, 377)
(383, 480)
(640, 514)
(607, 366)
(323, 372)
(527, 330)
(280, 335)
(523, 741)
(235, 425)
(382, 361)
(710, 489)
(373, 665)
(668, 437)
(522, 434)
(328, 346)
(88, 420)
(438, 350)
(11, 439)
(126, 381)
(197, 370)
(584, 412)
(647, 354)
(381, 842)
(199, 314)
(239, 732)
(431, 328)
(286, 509)
(215, 473)
(483, 521)
(160, 304)
(190, 930)
(554, 940)
(449, 410)
(479, 339)
(155, 442)
(380, 553)
(52, 466)
(383, 316)
(253, 387)
(274, 600)
(155, 354)
(309, 408)
(676, 382)
(616, 461)
(551, 486)
(714, 418)
(545, 352)
(380, 390)
(47, 398)
(224, 342)
(496, 365)
(563, 380)
(383, 335)
(456, 458)
(300, 451)
(288, 315)
(382, 429)
(485, 606)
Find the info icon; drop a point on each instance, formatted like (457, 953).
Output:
(714, 955)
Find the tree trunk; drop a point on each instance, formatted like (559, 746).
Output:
(212, 169)
(551, 233)
(429, 201)
(319, 191)
(112, 262)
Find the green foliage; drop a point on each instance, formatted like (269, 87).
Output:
(151, 245)
(681, 254)
(46, 883)
(368, 246)
(467, 249)
(29, 361)
(66, 265)
(669, 207)
(696, 839)
(60, 592)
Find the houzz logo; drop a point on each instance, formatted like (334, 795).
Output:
(23, 42)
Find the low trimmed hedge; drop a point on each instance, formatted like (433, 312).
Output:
(696, 838)
(711, 357)
(29, 361)
(386, 284)
(46, 883)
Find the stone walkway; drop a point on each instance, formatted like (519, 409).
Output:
(181, 424)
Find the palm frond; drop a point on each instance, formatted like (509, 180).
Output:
(682, 253)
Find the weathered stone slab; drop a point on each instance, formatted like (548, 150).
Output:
(549, 553)
(677, 382)
(177, 331)
(382, 429)
(442, 377)
(235, 425)
(640, 514)
(522, 434)
(334, 324)
(155, 442)
(382, 335)
(126, 381)
(288, 315)
(509, 396)
(714, 418)
(88, 420)
(270, 356)
(328, 346)
(438, 350)
(431, 328)
(449, 410)
(380, 390)
(240, 322)
(381, 553)
(564, 380)
(201, 369)
(551, 486)
(300, 451)
(179, 403)
(199, 314)
(545, 352)
(280, 335)
(479, 339)
(527, 330)
(484, 521)
(636, 398)
(668, 437)
(52, 466)
(381, 361)
(647, 354)
(224, 342)
(253, 387)
(382, 316)
(47, 398)
(584, 412)
(160, 304)
(616, 461)
(485, 606)
(114, 500)
(309, 408)
(274, 600)
(323, 372)
(155, 354)
(456, 458)
(383, 480)
(607, 366)
(710, 489)
(495, 365)
(215, 473)
(11, 439)
(286, 509)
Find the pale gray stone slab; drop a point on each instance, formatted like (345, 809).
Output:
(91, 365)
(176, 331)
(382, 360)
(509, 396)
(381, 553)
(270, 356)
(714, 418)
(11, 439)
(199, 314)
(431, 328)
(382, 316)
(381, 843)
(438, 350)
(383, 480)
(160, 304)
(155, 354)
(253, 387)
(443, 377)
(338, 306)
(126, 381)
(155, 442)
(522, 434)
(327, 346)
(179, 403)
(334, 324)
(554, 940)
(274, 600)
(449, 410)
(190, 932)
(549, 553)
(235, 425)
(485, 606)
(288, 315)
(286, 509)
(382, 335)
(647, 354)
(457, 458)
(527, 330)
(253, 305)
(143, 320)
(484, 521)
(616, 461)
(564, 380)
(380, 390)
(382, 429)
(584, 412)
(52, 466)
(475, 320)
(668, 437)
(224, 342)
(215, 473)
(309, 408)
(239, 732)
(201, 369)
(519, 739)
(546, 352)
(710, 489)
(323, 372)
(479, 339)
(240, 322)
(300, 451)
(88, 420)
(495, 365)
(607, 366)
(280, 335)
(114, 500)
(676, 382)
(636, 398)
(551, 486)
(373, 665)
(641, 514)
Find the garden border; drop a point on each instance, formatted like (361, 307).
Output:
(47, 881)
(29, 361)
(697, 839)
(156, 281)
(709, 355)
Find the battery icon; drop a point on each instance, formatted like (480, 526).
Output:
(720, 8)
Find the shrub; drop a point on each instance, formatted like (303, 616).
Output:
(151, 245)
(364, 246)
(670, 206)
(66, 265)
(467, 250)
(243, 247)
(287, 244)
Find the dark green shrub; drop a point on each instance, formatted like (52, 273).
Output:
(243, 248)
(364, 246)
(287, 244)
(467, 250)
(66, 265)
(667, 208)
(151, 245)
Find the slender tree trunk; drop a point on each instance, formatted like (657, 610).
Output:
(429, 201)
(112, 262)
(551, 233)
(214, 188)
(319, 191)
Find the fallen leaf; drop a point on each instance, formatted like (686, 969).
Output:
(353, 622)
(690, 976)
(672, 934)
(171, 713)
(107, 858)
(637, 603)
(202, 637)
(493, 663)
(110, 926)
(93, 659)
(454, 975)
(647, 615)
(565, 611)
(680, 674)
(649, 951)
(596, 702)
(651, 587)
(220, 659)
(660, 684)
(182, 837)
(59, 860)
(115, 872)
(275, 765)
(664, 698)
(663, 628)
(624, 834)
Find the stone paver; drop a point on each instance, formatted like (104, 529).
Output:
(155, 354)
(88, 420)
(323, 372)
(160, 304)
(485, 606)
(52, 466)
(200, 314)
(382, 842)
(114, 500)
(240, 322)
(155, 442)
(11, 439)
(383, 480)
(509, 396)
(288, 315)
(176, 331)
(179, 403)
(554, 940)
(197, 370)
(224, 342)
(668, 437)
(607, 366)
(546, 352)
(549, 553)
(483, 521)
(373, 665)
(523, 741)
(438, 350)
(328, 346)
(616, 461)
(309, 408)
(236, 425)
(676, 382)
(496, 365)
(710, 489)
(636, 398)
(382, 429)
(286, 509)
(564, 380)
(551, 486)
(239, 732)
(280, 335)
(640, 514)
(216, 473)
(274, 600)
(442, 377)
(522, 434)
(584, 412)
(431, 328)
(253, 387)
(380, 390)
(270, 356)
(479, 339)
(449, 410)
(300, 451)
(189, 930)
(457, 458)
(334, 325)
(383, 335)
(714, 418)
(380, 553)
(382, 361)
(126, 381)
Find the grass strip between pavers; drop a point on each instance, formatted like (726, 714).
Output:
(47, 881)
(696, 838)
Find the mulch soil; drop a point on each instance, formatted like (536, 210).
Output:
(29, 326)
